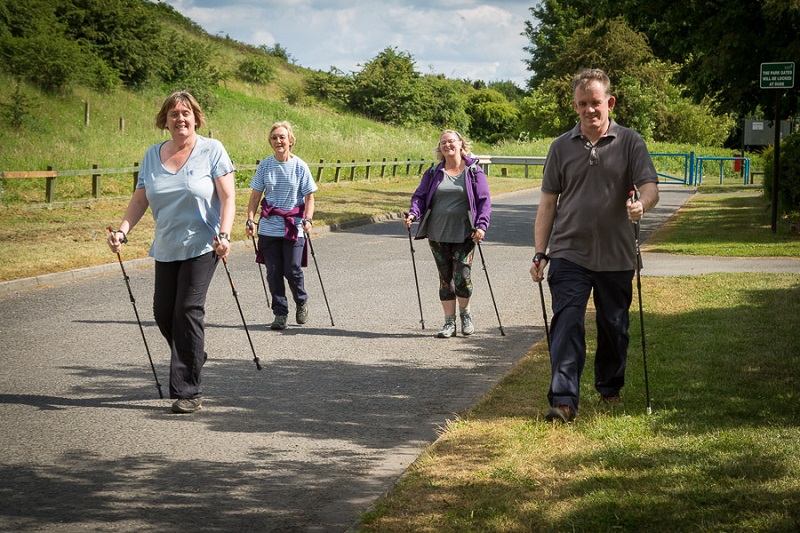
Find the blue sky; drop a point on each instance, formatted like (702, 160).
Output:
(461, 38)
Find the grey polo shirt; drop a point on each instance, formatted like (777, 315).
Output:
(591, 226)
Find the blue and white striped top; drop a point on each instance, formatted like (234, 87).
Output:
(284, 185)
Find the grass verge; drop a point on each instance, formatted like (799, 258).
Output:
(725, 224)
(60, 237)
(721, 451)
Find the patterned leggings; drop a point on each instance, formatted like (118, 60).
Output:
(454, 262)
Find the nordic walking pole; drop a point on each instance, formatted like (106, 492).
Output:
(136, 312)
(260, 266)
(236, 297)
(311, 247)
(416, 279)
(544, 312)
(491, 292)
(634, 197)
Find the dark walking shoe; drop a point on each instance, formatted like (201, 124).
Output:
(302, 313)
(610, 399)
(563, 413)
(187, 405)
(279, 322)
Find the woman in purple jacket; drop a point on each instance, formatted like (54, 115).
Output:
(453, 204)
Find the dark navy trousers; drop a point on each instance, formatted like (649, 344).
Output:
(179, 307)
(284, 259)
(570, 288)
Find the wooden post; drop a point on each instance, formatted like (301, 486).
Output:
(504, 172)
(369, 167)
(50, 187)
(319, 170)
(383, 168)
(86, 113)
(135, 175)
(96, 182)
(122, 124)
(394, 168)
(338, 170)
(421, 166)
(353, 171)
(408, 167)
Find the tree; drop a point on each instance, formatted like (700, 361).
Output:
(120, 32)
(558, 19)
(443, 103)
(386, 88)
(548, 111)
(192, 68)
(718, 45)
(493, 118)
(257, 68)
(509, 89)
(333, 87)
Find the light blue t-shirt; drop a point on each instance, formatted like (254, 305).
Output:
(285, 186)
(185, 205)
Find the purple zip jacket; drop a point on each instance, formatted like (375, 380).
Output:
(480, 203)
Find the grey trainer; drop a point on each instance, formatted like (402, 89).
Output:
(301, 315)
(279, 322)
(187, 405)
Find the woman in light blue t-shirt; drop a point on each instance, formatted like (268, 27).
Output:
(188, 184)
(284, 189)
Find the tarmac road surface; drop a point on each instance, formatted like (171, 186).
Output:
(306, 444)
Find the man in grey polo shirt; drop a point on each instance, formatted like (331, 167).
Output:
(584, 218)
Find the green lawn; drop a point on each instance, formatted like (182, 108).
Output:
(720, 451)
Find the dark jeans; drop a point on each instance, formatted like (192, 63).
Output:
(179, 309)
(454, 263)
(283, 259)
(570, 287)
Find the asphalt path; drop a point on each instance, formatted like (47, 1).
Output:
(335, 416)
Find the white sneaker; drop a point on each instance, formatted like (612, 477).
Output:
(448, 330)
(467, 328)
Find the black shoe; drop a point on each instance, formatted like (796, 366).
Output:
(564, 413)
(279, 323)
(187, 405)
(301, 315)
(610, 399)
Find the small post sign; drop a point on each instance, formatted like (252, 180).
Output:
(777, 75)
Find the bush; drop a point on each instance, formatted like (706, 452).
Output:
(789, 184)
(257, 69)
(492, 117)
(17, 111)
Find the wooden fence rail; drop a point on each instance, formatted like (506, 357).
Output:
(419, 165)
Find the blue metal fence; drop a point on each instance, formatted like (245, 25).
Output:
(693, 167)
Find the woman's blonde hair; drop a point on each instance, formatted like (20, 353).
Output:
(180, 97)
(289, 132)
(466, 146)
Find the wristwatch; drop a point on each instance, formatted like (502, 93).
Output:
(539, 256)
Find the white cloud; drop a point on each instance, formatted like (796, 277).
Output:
(470, 39)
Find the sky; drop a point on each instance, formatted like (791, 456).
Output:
(469, 39)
